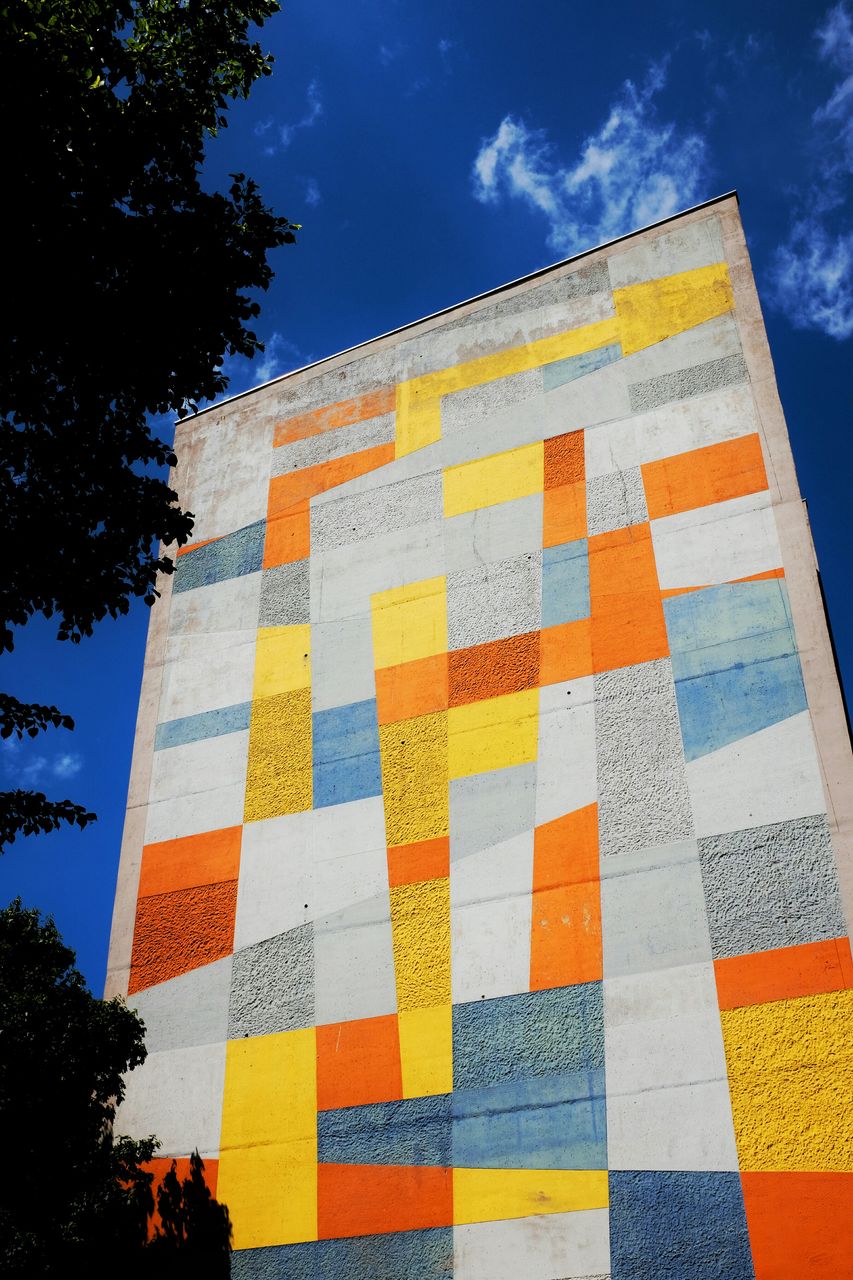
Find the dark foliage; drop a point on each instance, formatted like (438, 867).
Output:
(125, 285)
(74, 1199)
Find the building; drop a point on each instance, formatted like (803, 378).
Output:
(490, 798)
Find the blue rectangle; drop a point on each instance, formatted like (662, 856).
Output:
(206, 724)
(735, 662)
(560, 372)
(411, 1131)
(424, 1254)
(233, 556)
(545, 1122)
(536, 1033)
(346, 754)
(565, 583)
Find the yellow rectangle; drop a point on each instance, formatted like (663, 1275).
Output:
(268, 1152)
(414, 778)
(791, 1080)
(489, 1195)
(282, 660)
(659, 309)
(419, 399)
(409, 622)
(278, 774)
(426, 1051)
(484, 482)
(492, 734)
(420, 926)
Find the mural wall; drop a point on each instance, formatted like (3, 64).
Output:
(479, 892)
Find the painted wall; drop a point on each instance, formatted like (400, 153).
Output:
(479, 890)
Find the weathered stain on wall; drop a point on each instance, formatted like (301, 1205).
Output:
(481, 887)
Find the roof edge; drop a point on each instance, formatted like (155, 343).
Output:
(432, 315)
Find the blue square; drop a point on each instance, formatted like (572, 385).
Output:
(678, 1226)
(565, 583)
(346, 754)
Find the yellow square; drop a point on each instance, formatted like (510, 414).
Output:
(490, 1195)
(426, 1050)
(409, 622)
(282, 660)
(492, 734)
(487, 481)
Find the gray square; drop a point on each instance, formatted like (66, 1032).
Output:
(285, 595)
(272, 985)
(491, 601)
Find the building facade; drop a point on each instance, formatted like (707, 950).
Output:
(490, 820)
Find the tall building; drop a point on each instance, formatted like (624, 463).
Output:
(491, 799)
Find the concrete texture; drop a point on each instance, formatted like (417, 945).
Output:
(681, 384)
(272, 985)
(503, 598)
(540, 889)
(488, 808)
(643, 798)
(615, 500)
(796, 858)
(285, 595)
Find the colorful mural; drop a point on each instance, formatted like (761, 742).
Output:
(487, 923)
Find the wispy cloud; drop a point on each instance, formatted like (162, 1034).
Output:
(26, 769)
(280, 355)
(812, 272)
(278, 137)
(312, 192)
(635, 169)
(389, 53)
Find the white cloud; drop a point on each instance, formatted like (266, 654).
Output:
(312, 193)
(67, 765)
(389, 53)
(33, 770)
(279, 356)
(287, 132)
(634, 170)
(812, 272)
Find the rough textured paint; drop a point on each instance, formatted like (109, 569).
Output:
(791, 1079)
(678, 1226)
(482, 883)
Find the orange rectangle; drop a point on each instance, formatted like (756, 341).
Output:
(565, 939)
(300, 486)
(371, 1199)
(565, 651)
(194, 546)
(411, 689)
(161, 1165)
(784, 973)
(190, 861)
(417, 863)
(800, 1224)
(358, 1062)
(564, 460)
(342, 414)
(564, 514)
(714, 473)
(288, 536)
(489, 670)
(628, 623)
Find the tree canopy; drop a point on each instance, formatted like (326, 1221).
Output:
(73, 1198)
(126, 283)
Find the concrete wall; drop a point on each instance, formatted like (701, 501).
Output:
(489, 826)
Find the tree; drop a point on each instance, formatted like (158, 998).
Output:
(73, 1198)
(126, 283)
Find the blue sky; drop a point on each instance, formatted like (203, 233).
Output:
(436, 151)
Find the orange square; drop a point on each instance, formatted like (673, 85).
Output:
(411, 689)
(302, 485)
(189, 861)
(565, 939)
(564, 460)
(565, 651)
(369, 1199)
(700, 477)
(564, 514)
(490, 670)
(415, 863)
(784, 973)
(288, 536)
(800, 1225)
(358, 1062)
(628, 624)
